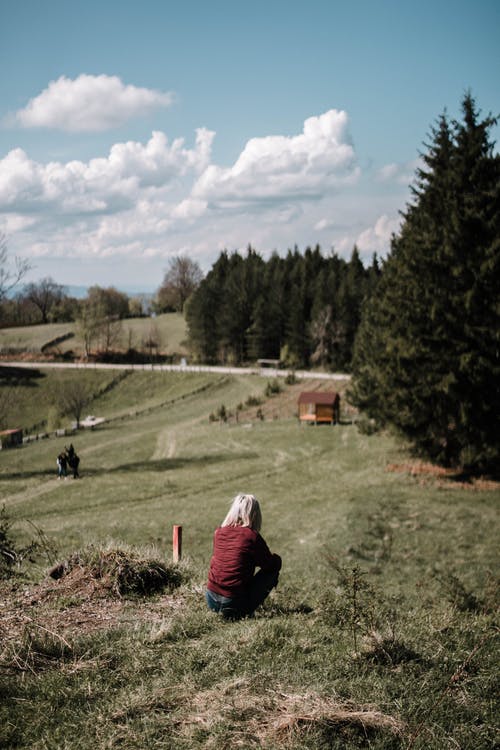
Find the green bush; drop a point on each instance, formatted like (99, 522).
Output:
(273, 387)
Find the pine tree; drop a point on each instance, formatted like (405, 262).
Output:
(297, 333)
(427, 351)
(203, 311)
(266, 331)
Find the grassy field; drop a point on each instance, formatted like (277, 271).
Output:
(381, 634)
(168, 329)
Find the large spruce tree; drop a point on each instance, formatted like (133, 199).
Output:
(427, 351)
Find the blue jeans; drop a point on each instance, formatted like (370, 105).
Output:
(244, 605)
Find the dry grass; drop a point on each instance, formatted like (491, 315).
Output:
(276, 718)
(445, 478)
(284, 405)
(88, 595)
(123, 572)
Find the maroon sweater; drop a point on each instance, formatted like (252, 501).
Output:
(238, 550)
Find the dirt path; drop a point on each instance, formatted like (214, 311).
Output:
(166, 445)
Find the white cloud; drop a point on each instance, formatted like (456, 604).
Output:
(323, 224)
(146, 201)
(377, 239)
(11, 223)
(89, 103)
(190, 208)
(402, 174)
(106, 184)
(304, 166)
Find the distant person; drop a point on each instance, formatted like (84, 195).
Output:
(70, 452)
(62, 465)
(234, 589)
(74, 462)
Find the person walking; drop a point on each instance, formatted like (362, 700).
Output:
(74, 463)
(233, 588)
(62, 466)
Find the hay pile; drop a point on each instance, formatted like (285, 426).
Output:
(123, 572)
(252, 717)
(94, 589)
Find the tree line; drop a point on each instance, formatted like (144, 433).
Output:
(302, 309)
(46, 301)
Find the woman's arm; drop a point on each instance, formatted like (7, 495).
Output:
(264, 558)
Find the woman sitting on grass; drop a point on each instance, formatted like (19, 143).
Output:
(233, 589)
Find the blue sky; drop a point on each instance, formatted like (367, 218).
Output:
(131, 132)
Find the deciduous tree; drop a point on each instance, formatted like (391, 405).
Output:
(45, 295)
(71, 396)
(182, 277)
(10, 274)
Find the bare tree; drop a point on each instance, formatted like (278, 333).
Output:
(182, 278)
(72, 396)
(45, 295)
(10, 276)
(110, 331)
(321, 334)
(100, 318)
(152, 341)
(89, 322)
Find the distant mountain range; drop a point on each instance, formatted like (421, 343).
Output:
(81, 291)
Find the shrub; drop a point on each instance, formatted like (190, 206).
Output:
(253, 401)
(273, 387)
(12, 555)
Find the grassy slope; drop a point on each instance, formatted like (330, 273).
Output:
(33, 398)
(183, 680)
(170, 327)
(32, 338)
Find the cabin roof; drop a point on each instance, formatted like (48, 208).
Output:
(328, 398)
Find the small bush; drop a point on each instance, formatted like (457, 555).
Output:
(12, 555)
(273, 387)
(367, 426)
(253, 401)
(221, 415)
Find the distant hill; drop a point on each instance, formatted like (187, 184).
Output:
(81, 291)
(77, 291)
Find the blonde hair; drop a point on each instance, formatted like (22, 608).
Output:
(244, 511)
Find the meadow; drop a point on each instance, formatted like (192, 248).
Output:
(382, 632)
(169, 330)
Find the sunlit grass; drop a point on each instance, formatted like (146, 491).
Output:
(381, 633)
(168, 329)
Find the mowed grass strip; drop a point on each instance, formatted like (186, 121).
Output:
(381, 633)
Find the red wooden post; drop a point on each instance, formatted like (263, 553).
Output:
(177, 543)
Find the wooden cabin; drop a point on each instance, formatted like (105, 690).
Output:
(319, 407)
